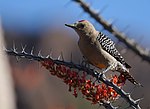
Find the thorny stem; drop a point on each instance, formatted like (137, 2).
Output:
(135, 47)
(122, 93)
(23, 54)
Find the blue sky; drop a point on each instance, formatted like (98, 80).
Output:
(31, 15)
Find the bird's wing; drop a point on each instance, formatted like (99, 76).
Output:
(109, 46)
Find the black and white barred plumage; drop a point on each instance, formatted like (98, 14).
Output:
(109, 46)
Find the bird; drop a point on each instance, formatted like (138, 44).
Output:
(99, 50)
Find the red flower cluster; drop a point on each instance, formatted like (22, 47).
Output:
(91, 91)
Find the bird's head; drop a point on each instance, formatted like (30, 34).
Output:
(82, 27)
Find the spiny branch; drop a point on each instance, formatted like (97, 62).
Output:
(133, 103)
(143, 53)
(40, 58)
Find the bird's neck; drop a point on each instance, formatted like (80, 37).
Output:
(91, 35)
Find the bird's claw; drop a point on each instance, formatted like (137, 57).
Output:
(85, 64)
(99, 75)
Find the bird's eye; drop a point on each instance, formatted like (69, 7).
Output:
(81, 26)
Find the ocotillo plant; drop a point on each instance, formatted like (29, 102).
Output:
(104, 91)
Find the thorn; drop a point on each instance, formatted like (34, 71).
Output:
(95, 72)
(98, 12)
(100, 104)
(48, 56)
(139, 85)
(23, 48)
(138, 100)
(14, 47)
(88, 5)
(62, 56)
(128, 94)
(103, 9)
(113, 21)
(39, 53)
(13, 44)
(50, 53)
(32, 50)
(59, 57)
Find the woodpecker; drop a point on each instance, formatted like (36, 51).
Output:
(100, 50)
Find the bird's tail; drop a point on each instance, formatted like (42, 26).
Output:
(126, 75)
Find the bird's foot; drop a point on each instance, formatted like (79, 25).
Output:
(98, 75)
(85, 63)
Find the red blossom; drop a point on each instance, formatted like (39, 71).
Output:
(115, 79)
(121, 79)
(93, 92)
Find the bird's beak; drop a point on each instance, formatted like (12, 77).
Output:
(71, 25)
